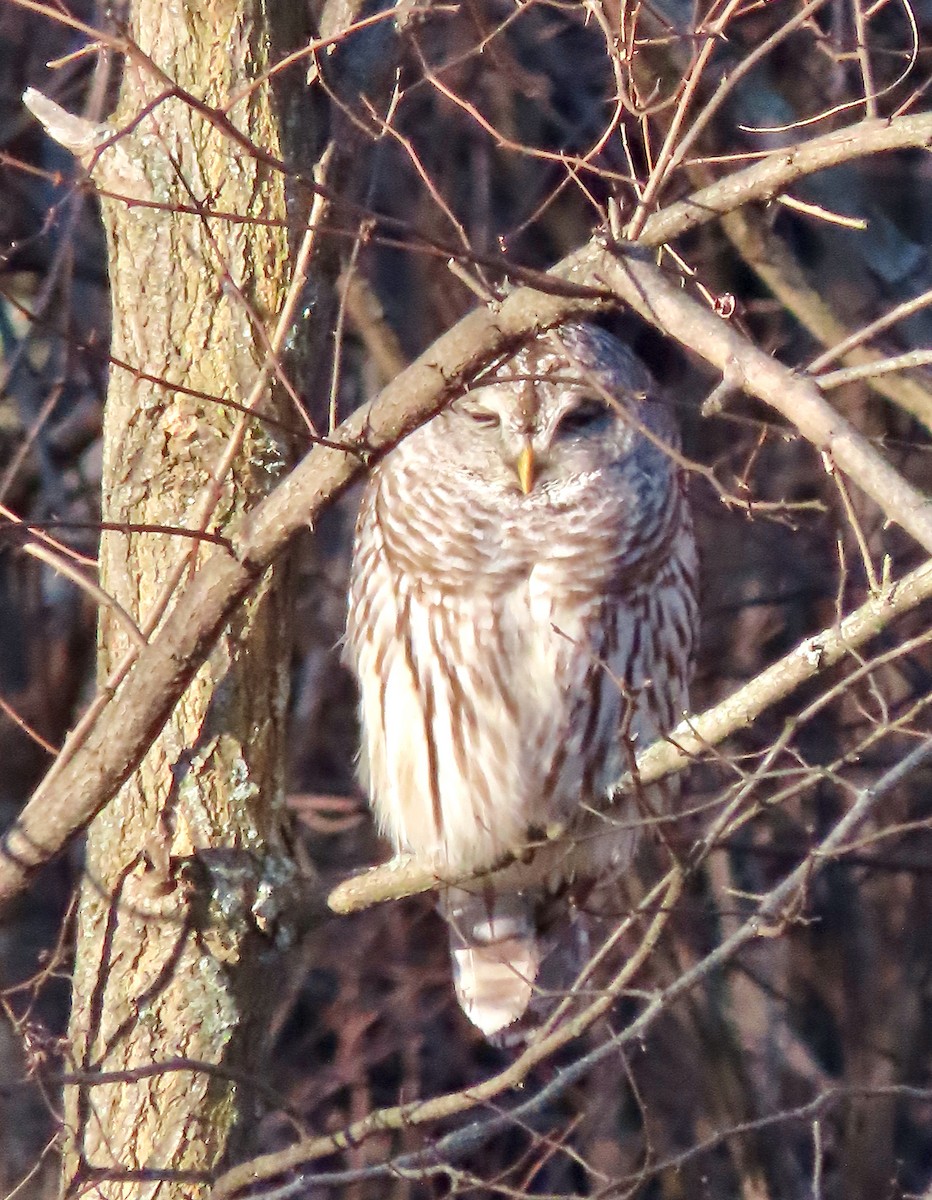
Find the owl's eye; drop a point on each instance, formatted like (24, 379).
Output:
(588, 414)
(484, 418)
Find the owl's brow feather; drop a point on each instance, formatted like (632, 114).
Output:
(544, 377)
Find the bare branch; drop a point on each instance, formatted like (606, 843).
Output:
(771, 176)
(770, 257)
(650, 293)
(772, 909)
(869, 370)
(587, 279)
(694, 736)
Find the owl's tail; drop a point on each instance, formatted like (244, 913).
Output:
(496, 955)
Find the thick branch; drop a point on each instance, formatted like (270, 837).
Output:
(766, 179)
(768, 254)
(651, 294)
(91, 773)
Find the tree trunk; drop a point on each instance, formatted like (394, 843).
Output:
(175, 941)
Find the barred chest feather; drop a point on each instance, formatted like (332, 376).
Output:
(490, 713)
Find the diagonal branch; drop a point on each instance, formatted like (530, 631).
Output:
(582, 283)
(693, 737)
(653, 296)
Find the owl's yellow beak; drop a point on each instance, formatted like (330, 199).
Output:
(525, 467)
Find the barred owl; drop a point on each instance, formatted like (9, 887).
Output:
(521, 619)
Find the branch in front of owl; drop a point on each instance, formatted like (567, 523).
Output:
(122, 733)
(402, 877)
(774, 910)
(657, 905)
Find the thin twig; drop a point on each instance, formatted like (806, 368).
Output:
(864, 334)
(640, 284)
(883, 366)
(101, 598)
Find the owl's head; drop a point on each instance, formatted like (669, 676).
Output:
(567, 407)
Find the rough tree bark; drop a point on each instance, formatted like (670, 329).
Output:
(176, 933)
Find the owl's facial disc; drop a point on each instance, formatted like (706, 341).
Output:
(539, 429)
(491, 413)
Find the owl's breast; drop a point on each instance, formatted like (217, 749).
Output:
(564, 539)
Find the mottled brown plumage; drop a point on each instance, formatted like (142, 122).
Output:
(522, 617)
